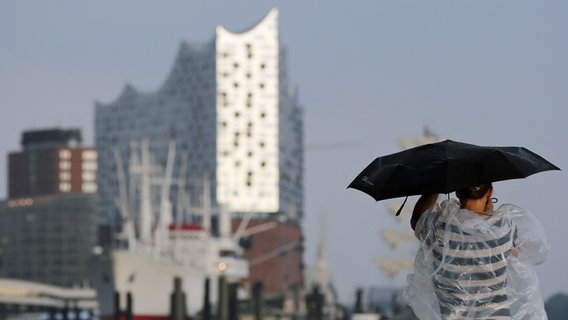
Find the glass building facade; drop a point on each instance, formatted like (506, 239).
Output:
(48, 239)
(233, 117)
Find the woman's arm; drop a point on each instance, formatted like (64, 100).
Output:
(425, 202)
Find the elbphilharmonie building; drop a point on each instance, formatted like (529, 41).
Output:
(234, 119)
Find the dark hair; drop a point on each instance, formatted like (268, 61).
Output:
(476, 192)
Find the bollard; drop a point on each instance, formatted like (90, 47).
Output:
(314, 302)
(177, 301)
(222, 302)
(207, 301)
(257, 298)
(118, 313)
(128, 306)
(233, 301)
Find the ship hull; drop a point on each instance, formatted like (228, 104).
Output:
(150, 282)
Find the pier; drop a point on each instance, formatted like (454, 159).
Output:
(19, 296)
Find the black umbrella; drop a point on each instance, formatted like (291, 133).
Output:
(444, 167)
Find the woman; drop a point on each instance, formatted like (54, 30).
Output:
(469, 265)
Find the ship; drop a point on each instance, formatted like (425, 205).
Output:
(154, 251)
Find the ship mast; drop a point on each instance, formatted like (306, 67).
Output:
(165, 214)
(139, 179)
(145, 218)
(322, 274)
(123, 204)
(207, 207)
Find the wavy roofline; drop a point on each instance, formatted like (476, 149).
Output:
(131, 90)
(272, 14)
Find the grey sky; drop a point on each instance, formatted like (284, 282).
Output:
(369, 72)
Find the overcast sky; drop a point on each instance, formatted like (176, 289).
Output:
(368, 73)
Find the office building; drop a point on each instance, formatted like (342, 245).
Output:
(52, 161)
(48, 225)
(48, 238)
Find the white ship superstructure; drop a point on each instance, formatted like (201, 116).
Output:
(149, 260)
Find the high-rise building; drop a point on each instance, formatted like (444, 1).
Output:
(48, 225)
(52, 161)
(235, 124)
(233, 117)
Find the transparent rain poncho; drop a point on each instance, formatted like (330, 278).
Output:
(472, 267)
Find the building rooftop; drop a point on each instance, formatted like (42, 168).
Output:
(55, 137)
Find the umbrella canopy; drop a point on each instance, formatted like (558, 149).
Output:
(444, 167)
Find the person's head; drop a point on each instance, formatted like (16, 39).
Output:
(484, 190)
(475, 192)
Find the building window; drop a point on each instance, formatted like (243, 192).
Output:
(88, 176)
(249, 50)
(248, 181)
(89, 165)
(64, 187)
(65, 176)
(64, 165)
(89, 155)
(64, 154)
(89, 187)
